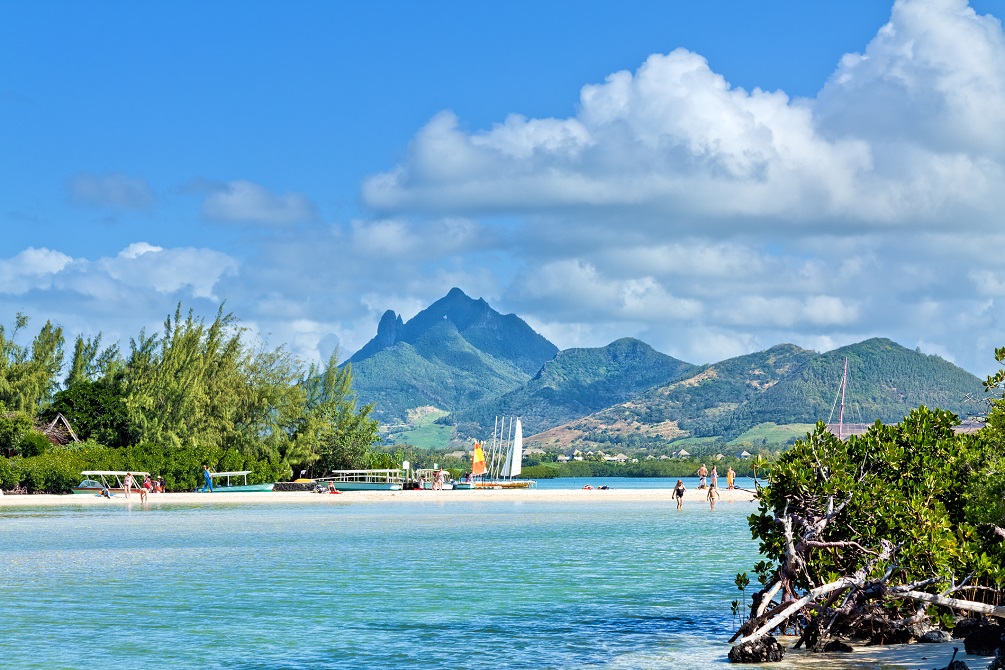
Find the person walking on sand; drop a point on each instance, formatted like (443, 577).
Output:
(127, 483)
(713, 495)
(678, 493)
(730, 478)
(715, 477)
(208, 479)
(702, 474)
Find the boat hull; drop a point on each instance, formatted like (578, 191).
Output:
(367, 486)
(243, 488)
(447, 486)
(506, 484)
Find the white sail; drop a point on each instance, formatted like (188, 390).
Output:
(517, 453)
(508, 463)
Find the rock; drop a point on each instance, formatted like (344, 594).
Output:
(984, 640)
(957, 665)
(935, 636)
(966, 626)
(999, 662)
(838, 645)
(765, 650)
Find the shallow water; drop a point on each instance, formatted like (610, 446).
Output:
(371, 585)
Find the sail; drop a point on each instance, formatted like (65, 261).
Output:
(478, 460)
(516, 455)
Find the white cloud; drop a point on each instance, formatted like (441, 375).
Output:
(137, 268)
(244, 201)
(114, 191)
(31, 269)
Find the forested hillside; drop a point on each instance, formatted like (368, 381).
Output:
(575, 383)
(454, 354)
(783, 385)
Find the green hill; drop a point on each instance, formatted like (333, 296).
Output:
(575, 383)
(783, 386)
(454, 354)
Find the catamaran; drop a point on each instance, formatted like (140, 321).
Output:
(225, 485)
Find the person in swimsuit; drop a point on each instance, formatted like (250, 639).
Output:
(713, 495)
(702, 474)
(127, 483)
(715, 477)
(678, 493)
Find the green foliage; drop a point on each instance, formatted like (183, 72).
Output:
(34, 443)
(58, 469)
(28, 375)
(95, 409)
(911, 484)
(13, 427)
(333, 434)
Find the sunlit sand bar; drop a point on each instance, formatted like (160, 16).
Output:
(692, 498)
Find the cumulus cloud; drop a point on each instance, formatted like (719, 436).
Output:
(138, 268)
(905, 131)
(114, 191)
(31, 269)
(245, 201)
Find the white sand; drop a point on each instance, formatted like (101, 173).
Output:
(692, 498)
(907, 656)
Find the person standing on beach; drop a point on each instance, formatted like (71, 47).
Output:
(702, 473)
(678, 493)
(439, 480)
(208, 478)
(713, 495)
(127, 483)
(730, 478)
(715, 477)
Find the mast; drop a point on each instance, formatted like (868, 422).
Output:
(844, 383)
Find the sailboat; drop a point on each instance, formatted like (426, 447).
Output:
(501, 476)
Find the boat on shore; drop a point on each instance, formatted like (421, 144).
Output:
(390, 479)
(428, 477)
(96, 481)
(225, 485)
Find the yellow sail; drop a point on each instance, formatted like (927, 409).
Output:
(478, 460)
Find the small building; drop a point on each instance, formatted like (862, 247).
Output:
(744, 454)
(681, 453)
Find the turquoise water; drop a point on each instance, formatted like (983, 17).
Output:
(371, 585)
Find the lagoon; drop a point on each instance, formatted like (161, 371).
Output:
(323, 582)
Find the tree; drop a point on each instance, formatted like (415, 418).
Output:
(333, 434)
(28, 376)
(866, 533)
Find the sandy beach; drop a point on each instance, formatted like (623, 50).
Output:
(692, 498)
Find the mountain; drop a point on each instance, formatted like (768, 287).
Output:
(455, 353)
(575, 383)
(782, 385)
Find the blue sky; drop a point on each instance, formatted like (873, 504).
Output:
(713, 178)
